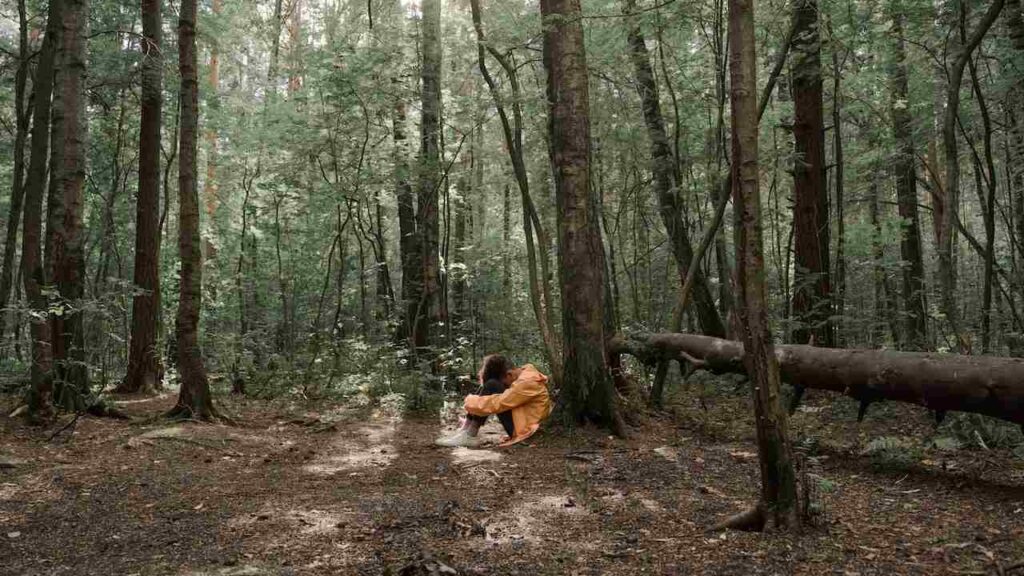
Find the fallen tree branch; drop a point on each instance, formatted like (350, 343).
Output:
(987, 385)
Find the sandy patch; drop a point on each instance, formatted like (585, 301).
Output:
(369, 448)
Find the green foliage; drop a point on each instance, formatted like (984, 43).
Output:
(893, 451)
(981, 432)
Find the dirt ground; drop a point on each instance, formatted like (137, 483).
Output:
(292, 490)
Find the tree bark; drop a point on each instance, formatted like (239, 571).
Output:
(778, 503)
(145, 368)
(915, 327)
(540, 292)
(812, 296)
(64, 251)
(839, 176)
(211, 189)
(194, 399)
(942, 382)
(987, 200)
(408, 236)
(40, 404)
(587, 392)
(22, 116)
(665, 185)
(947, 271)
(429, 309)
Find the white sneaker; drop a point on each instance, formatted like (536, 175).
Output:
(460, 438)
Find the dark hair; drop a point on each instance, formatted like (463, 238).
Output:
(495, 366)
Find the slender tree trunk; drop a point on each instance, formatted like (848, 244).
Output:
(145, 369)
(295, 47)
(947, 271)
(837, 160)
(457, 271)
(812, 298)
(778, 504)
(429, 309)
(884, 312)
(506, 238)
(40, 400)
(211, 198)
(987, 199)
(408, 241)
(914, 296)
(539, 279)
(22, 123)
(587, 392)
(665, 184)
(1015, 112)
(194, 399)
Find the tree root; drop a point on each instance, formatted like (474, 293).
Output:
(752, 520)
(212, 415)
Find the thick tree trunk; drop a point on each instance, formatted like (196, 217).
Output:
(812, 298)
(64, 250)
(665, 185)
(778, 504)
(429, 310)
(947, 270)
(33, 271)
(942, 382)
(194, 399)
(145, 369)
(916, 336)
(408, 237)
(587, 392)
(22, 123)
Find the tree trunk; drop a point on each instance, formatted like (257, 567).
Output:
(194, 399)
(145, 369)
(883, 313)
(429, 309)
(987, 201)
(778, 503)
(812, 298)
(408, 241)
(295, 47)
(65, 254)
(587, 392)
(916, 336)
(839, 175)
(1015, 112)
(22, 123)
(942, 382)
(538, 267)
(33, 271)
(947, 270)
(211, 198)
(665, 185)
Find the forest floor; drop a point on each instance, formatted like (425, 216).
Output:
(293, 490)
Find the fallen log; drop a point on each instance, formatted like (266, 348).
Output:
(987, 385)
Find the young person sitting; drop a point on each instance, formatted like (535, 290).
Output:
(518, 396)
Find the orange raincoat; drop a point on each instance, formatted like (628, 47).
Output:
(527, 398)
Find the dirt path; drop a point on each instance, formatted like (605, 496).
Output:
(371, 495)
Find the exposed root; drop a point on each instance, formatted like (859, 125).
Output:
(103, 410)
(752, 520)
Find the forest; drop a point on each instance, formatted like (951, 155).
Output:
(749, 278)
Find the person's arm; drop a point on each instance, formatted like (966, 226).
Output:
(518, 394)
